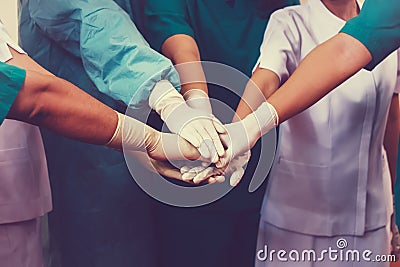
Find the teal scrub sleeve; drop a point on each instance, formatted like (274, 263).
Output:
(165, 19)
(377, 27)
(114, 53)
(11, 81)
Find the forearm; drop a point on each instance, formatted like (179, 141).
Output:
(60, 106)
(183, 51)
(320, 72)
(392, 136)
(262, 85)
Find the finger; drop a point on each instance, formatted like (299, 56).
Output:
(216, 141)
(205, 148)
(173, 174)
(196, 139)
(218, 126)
(185, 169)
(187, 150)
(205, 164)
(191, 172)
(236, 177)
(224, 161)
(204, 175)
(225, 139)
(211, 180)
(207, 140)
(220, 179)
(188, 176)
(191, 135)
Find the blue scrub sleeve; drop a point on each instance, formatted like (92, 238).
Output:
(11, 81)
(114, 53)
(165, 19)
(377, 27)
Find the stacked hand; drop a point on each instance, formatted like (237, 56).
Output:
(193, 120)
(239, 138)
(197, 126)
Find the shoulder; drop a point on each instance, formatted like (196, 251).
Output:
(290, 20)
(291, 13)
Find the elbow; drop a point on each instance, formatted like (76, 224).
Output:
(41, 106)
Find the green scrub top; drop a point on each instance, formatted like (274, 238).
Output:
(11, 80)
(228, 32)
(377, 27)
(114, 54)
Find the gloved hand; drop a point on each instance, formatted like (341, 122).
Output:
(133, 135)
(163, 167)
(241, 136)
(198, 99)
(235, 170)
(200, 128)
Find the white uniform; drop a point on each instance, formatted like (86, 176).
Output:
(24, 185)
(330, 177)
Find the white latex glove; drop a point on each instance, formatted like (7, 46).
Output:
(198, 99)
(235, 170)
(134, 135)
(242, 135)
(198, 127)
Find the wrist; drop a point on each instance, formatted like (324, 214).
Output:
(116, 140)
(261, 121)
(198, 99)
(165, 98)
(152, 139)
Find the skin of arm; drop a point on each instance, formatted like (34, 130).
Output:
(182, 48)
(325, 68)
(262, 84)
(392, 136)
(60, 106)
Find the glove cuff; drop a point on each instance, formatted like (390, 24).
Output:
(164, 98)
(267, 117)
(116, 140)
(198, 99)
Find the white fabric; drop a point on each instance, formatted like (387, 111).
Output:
(24, 183)
(328, 177)
(5, 41)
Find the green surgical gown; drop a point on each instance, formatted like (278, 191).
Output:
(11, 81)
(377, 27)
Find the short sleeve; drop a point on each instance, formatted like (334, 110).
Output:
(11, 82)
(278, 49)
(165, 19)
(377, 27)
(5, 42)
